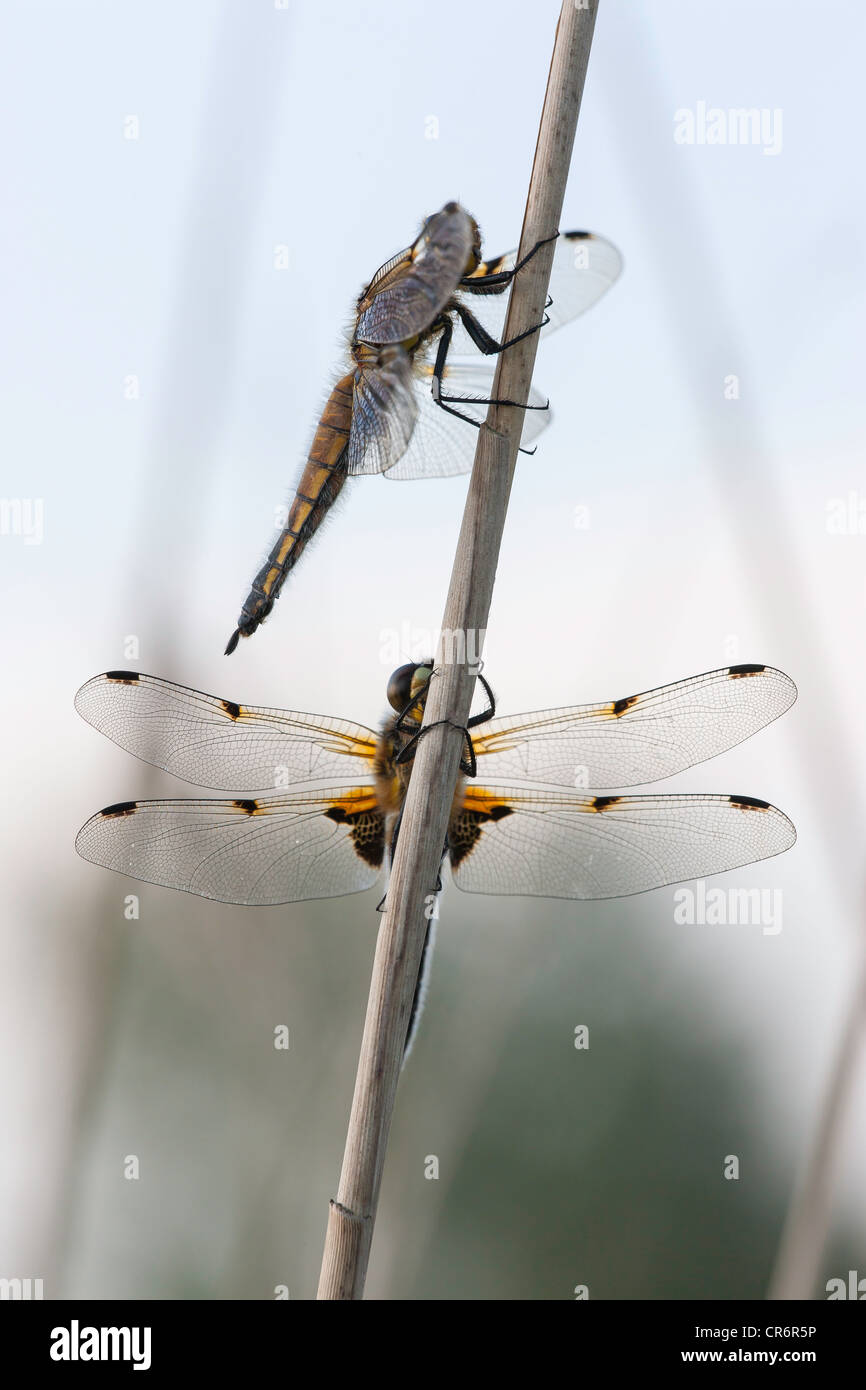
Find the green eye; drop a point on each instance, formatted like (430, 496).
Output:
(406, 682)
(421, 677)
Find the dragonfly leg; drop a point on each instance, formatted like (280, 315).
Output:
(443, 401)
(468, 765)
(484, 341)
(400, 727)
(497, 281)
(395, 832)
(449, 409)
(468, 761)
(392, 845)
(490, 400)
(488, 713)
(407, 752)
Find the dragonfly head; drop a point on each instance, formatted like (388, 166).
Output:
(407, 683)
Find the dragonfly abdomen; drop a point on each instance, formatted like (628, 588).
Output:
(320, 482)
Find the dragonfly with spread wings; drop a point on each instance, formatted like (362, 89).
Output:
(534, 834)
(521, 826)
(416, 380)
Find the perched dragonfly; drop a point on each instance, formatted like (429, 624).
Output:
(416, 381)
(537, 835)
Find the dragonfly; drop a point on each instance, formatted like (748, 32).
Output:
(420, 373)
(521, 825)
(282, 837)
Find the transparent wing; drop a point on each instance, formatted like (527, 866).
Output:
(558, 845)
(584, 268)
(217, 743)
(639, 739)
(281, 849)
(384, 413)
(386, 272)
(405, 296)
(442, 445)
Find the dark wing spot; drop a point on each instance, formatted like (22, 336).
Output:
(749, 803)
(601, 803)
(746, 670)
(368, 832)
(620, 706)
(249, 806)
(126, 677)
(577, 236)
(121, 808)
(464, 831)
(232, 710)
(368, 837)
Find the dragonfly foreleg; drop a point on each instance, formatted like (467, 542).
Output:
(487, 284)
(468, 764)
(399, 726)
(468, 761)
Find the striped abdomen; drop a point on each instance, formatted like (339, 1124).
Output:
(323, 477)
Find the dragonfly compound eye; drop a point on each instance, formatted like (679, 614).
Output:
(421, 677)
(407, 682)
(400, 686)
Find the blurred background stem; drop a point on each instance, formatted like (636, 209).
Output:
(804, 1237)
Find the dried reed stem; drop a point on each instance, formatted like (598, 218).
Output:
(428, 802)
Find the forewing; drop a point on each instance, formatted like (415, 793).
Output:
(638, 739)
(280, 849)
(391, 269)
(217, 743)
(415, 291)
(442, 445)
(584, 268)
(556, 845)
